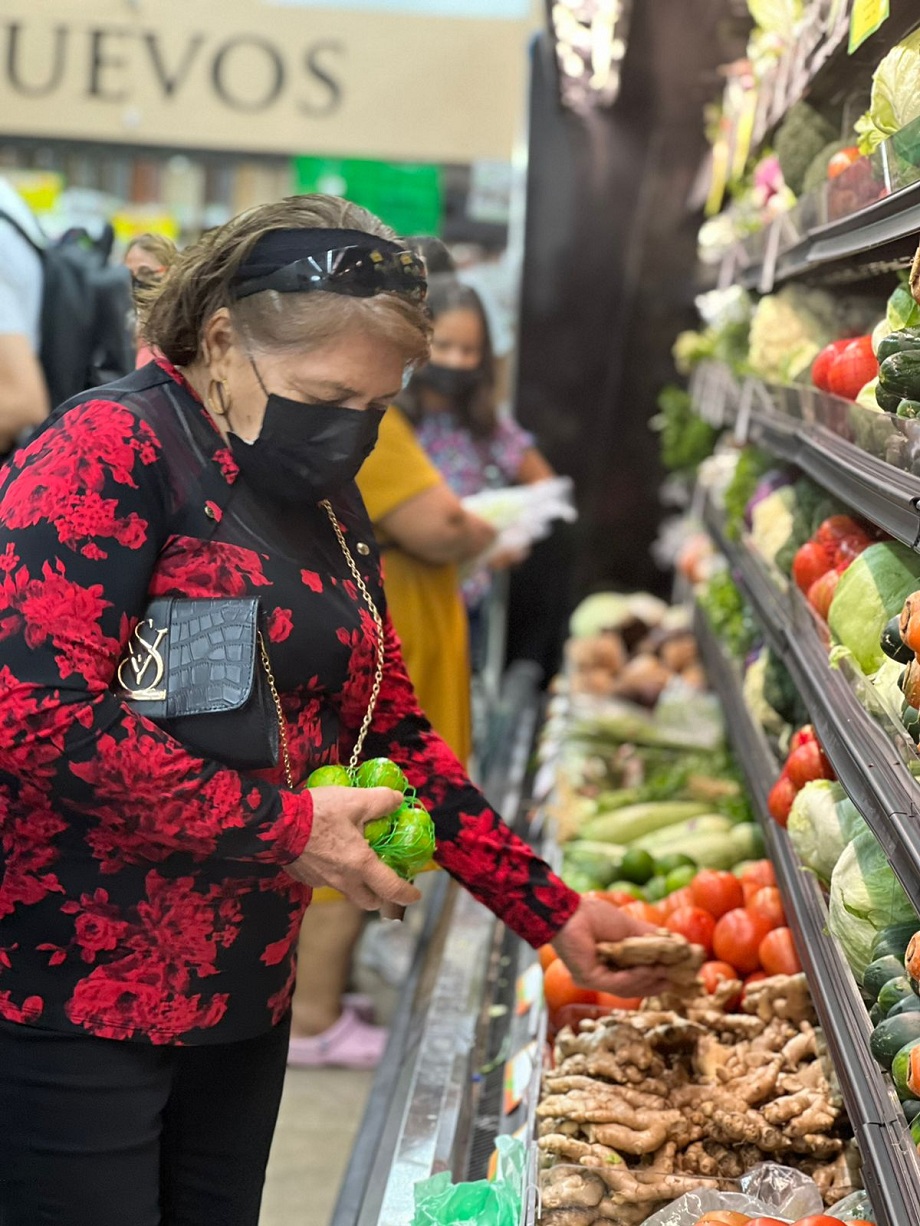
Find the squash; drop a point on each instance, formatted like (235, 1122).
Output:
(891, 1035)
(893, 992)
(880, 971)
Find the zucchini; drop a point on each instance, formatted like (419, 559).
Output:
(908, 1004)
(879, 972)
(899, 375)
(891, 1035)
(894, 991)
(905, 1070)
(898, 342)
(633, 821)
(892, 644)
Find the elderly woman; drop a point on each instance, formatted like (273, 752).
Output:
(151, 895)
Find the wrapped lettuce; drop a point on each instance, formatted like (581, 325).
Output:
(895, 98)
(865, 896)
(822, 821)
(871, 591)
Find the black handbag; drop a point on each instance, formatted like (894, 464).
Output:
(200, 669)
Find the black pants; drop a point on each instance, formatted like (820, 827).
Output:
(99, 1132)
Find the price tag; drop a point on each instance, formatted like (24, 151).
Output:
(743, 420)
(866, 17)
(518, 1076)
(529, 989)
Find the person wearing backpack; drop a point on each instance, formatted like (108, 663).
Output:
(84, 333)
(24, 399)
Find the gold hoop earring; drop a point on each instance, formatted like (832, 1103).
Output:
(222, 405)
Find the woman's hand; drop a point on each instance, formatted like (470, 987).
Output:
(576, 944)
(338, 855)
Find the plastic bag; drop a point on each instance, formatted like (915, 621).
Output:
(496, 1202)
(856, 1206)
(523, 514)
(769, 1189)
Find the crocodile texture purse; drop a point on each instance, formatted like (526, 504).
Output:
(200, 669)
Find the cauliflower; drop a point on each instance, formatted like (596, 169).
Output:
(788, 331)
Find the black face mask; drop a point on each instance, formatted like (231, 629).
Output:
(305, 452)
(450, 380)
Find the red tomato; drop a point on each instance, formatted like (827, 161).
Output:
(716, 892)
(714, 973)
(547, 955)
(560, 988)
(811, 561)
(820, 1219)
(606, 1000)
(822, 363)
(837, 528)
(673, 902)
(768, 905)
(644, 911)
(737, 939)
(780, 799)
(723, 1217)
(750, 889)
(807, 763)
(761, 872)
(821, 593)
(842, 160)
(853, 368)
(765, 1221)
(777, 953)
(693, 923)
(619, 898)
(803, 736)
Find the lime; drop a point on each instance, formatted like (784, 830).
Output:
(377, 830)
(381, 773)
(627, 887)
(679, 877)
(656, 888)
(675, 859)
(329, 777)
(637, 866)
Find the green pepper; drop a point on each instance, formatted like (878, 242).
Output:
(900, 374)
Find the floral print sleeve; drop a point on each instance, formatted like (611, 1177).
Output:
(83, 517)
(474, 844)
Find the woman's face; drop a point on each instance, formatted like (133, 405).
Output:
(458, 341)
(141, 263)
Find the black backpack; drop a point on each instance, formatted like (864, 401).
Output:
(86, 320)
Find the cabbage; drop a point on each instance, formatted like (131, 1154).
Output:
(865, 897)
(612, 610)
(822, 821)
(895, 98)
(871, 591)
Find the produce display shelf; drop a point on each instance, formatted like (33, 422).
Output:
(891, 1167)
(870, 763)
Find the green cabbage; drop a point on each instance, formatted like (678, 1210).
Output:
(822, 821)
(865, 896)
(895, 98)
(871, 591)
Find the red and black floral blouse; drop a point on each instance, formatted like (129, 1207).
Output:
(142, 891)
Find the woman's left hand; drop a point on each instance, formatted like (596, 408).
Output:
(576, 944)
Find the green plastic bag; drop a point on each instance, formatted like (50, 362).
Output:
(496, 1202)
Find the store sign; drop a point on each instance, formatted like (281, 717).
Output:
(250, 76)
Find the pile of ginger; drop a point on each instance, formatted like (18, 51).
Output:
(644, 1106)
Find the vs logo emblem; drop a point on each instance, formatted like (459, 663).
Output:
(134, 672)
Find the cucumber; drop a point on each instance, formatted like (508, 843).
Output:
(893, 940)
(911, 1109)
(892, 644)
(886, 400)
(891, 1035)
(905, 1070)
(910, 1004)
(894, 991)
(909, 409)
(899, 374)
(879, 972)
(903, 341)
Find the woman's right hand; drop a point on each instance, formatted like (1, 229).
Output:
(338, 855)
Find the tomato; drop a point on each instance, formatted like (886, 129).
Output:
(780, 799)
(820, 367)
(839, 528)
(723, 1217)
(810, 563)
(674, 902)
(803, 736)
(765, 1221)
(644, 911)
(737, 940)
(693, 923)
(547, 955)
(768, 904)
(777, 953)
(561, 990)
(716, 892)
(619, 898)
(606, 1000)
(807, 763)
(714, 973)
(821, 593)
(852, 369)
(760, 872)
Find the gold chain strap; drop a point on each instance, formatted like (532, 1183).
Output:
(378, 673)
(378, 626)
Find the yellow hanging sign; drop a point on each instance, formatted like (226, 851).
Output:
(866, 17)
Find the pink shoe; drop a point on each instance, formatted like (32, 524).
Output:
(360, 1004)
(348, 1043)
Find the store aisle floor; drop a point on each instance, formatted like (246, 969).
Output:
(320, 1114)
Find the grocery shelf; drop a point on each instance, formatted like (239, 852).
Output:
(870, 764)
(890, 1164)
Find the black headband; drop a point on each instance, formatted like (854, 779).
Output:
(277, 249)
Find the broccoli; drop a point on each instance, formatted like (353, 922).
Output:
(685, 438)
(801, 136)
(779, 692)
